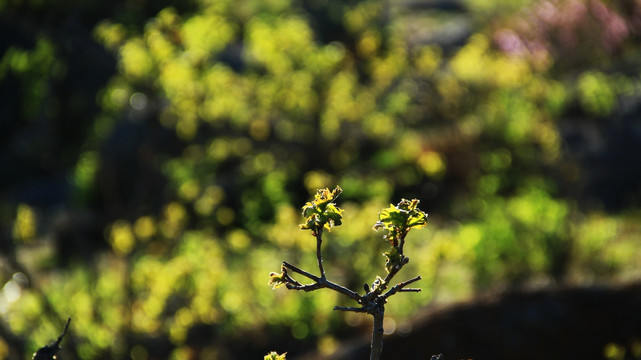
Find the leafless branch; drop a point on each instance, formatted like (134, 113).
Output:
(400, 287)
(348, 308)
(319, 283)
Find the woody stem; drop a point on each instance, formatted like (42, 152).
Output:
(319, 257)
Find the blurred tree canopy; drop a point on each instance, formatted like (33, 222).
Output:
(156, 157)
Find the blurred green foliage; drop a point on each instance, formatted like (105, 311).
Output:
(269, 101)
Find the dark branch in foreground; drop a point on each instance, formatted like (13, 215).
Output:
(49, 352)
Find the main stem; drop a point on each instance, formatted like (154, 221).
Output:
(377, 334)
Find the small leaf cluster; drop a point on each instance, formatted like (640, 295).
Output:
(322, 212)
(275, 356)
(398, 220)
(277, 280)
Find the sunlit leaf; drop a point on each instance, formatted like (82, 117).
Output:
(275, 356)
(399, 219)
(322, 212)
(277, 280)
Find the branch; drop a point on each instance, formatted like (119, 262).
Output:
(371, 295)
(400, 287)
(396, 269)
(49, 352)
(319, 257)
(410, 290)
(64, 331)
(306, 288)
(319, 283)
(289, 280)
(347, 308)
(300, 271)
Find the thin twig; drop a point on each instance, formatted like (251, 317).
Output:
(49, 352)
(402, 243)
(410, 290)
(343, 290)
(349, 308)
(396, 269)
(64, 331)
(290, 280)
(306, 288)
(399, 287)
(319, 257)
(300, 271)
(319, 283)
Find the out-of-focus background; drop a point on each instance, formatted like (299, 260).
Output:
(155, 155)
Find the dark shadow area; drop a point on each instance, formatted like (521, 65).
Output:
(561, 323)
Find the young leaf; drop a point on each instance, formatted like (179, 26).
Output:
(277, 280)
(322, 212)
(275, 356)
(399, 219)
